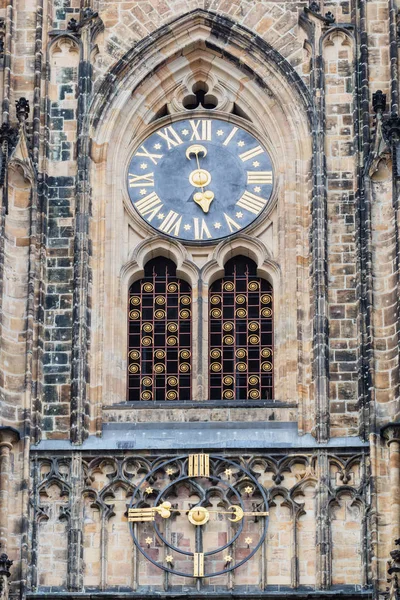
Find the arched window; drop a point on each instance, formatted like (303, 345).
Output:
(159, 331)
(241, 334)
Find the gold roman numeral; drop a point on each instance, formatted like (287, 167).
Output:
(141, 515)
(171, 223)
(251, 153)
(172, 141)
(199, 465)
(231, 223)
(153, 157)
(141, 180)
(230, 136)
(259, 177)
(251, 202)
(201, 230)
(204, 125)
(149, 205)
(198, 564)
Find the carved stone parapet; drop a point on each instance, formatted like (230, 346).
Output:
(5, 564)
(391, 432)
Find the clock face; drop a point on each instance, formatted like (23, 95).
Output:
(200, 179)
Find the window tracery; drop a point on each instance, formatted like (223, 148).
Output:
(159, 335)
(241, 334)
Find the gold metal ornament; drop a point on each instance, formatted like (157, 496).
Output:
(133, 369)
(228, 286)
(172, 395)
(198, 515)
(215, 353)
(160, 300)
(228, 340)
(159, 368)
(147, 341)
(141, 515)
(159, 354)
(147, 381)
(172, 340)
(241, 353)
(216, 313)
(254, 394)
(146, 395)
(266, 353)
(254, 380)
(185, 300)
(228, 380)
(253, 326)
(185, 354)
(216, 367)
(184, 314)
(172, 288)
(172, 381)
(204, 199)
(228, 326)
(172, 327)
(159, 314)
(266, 366)
(266, 312)
(147, 327)
(266, 298)
(240, 299)
(254, 339)
(228, 394)
(241, 313)
(134, 314)
(148, 287)
(134, 354)
(241, 366)
(135, 300)
(215, 299)
(198, 465)
(253, 286)
(184, 368)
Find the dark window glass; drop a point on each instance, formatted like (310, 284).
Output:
(241, 334)
(159, 335)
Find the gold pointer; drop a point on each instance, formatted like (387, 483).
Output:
(200, 178)
(198, 515)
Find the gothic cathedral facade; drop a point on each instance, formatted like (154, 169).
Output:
(199, 299)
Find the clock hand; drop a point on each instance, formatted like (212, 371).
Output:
(200, 178)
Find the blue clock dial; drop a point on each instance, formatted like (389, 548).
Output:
(200, 179)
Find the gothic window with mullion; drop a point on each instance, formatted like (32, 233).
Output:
(241, 334)
(159, 332)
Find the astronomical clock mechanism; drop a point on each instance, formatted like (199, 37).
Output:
(198, 515)
(200, 180)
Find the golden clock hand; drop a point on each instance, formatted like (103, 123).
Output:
(200, 178)
(141, 515)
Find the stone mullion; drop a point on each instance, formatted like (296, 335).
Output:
(365, 545)
(323, 550)
(319, 260)
(80, 330)
(75, 548)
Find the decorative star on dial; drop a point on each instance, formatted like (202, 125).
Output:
(170, 471)
(248, 540)
(256, 164)
(143, 192)
(241, 143)
(160, 216)
(187, 227)
(217, 225)
(185, 132)
(169, 558)
(157, 146)
(239, 215)
(220, 132)
(148, 540)
(248, 489)
(228, 472)
(149, 490)
(143, 166)
(228, 558)
(257, 189)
